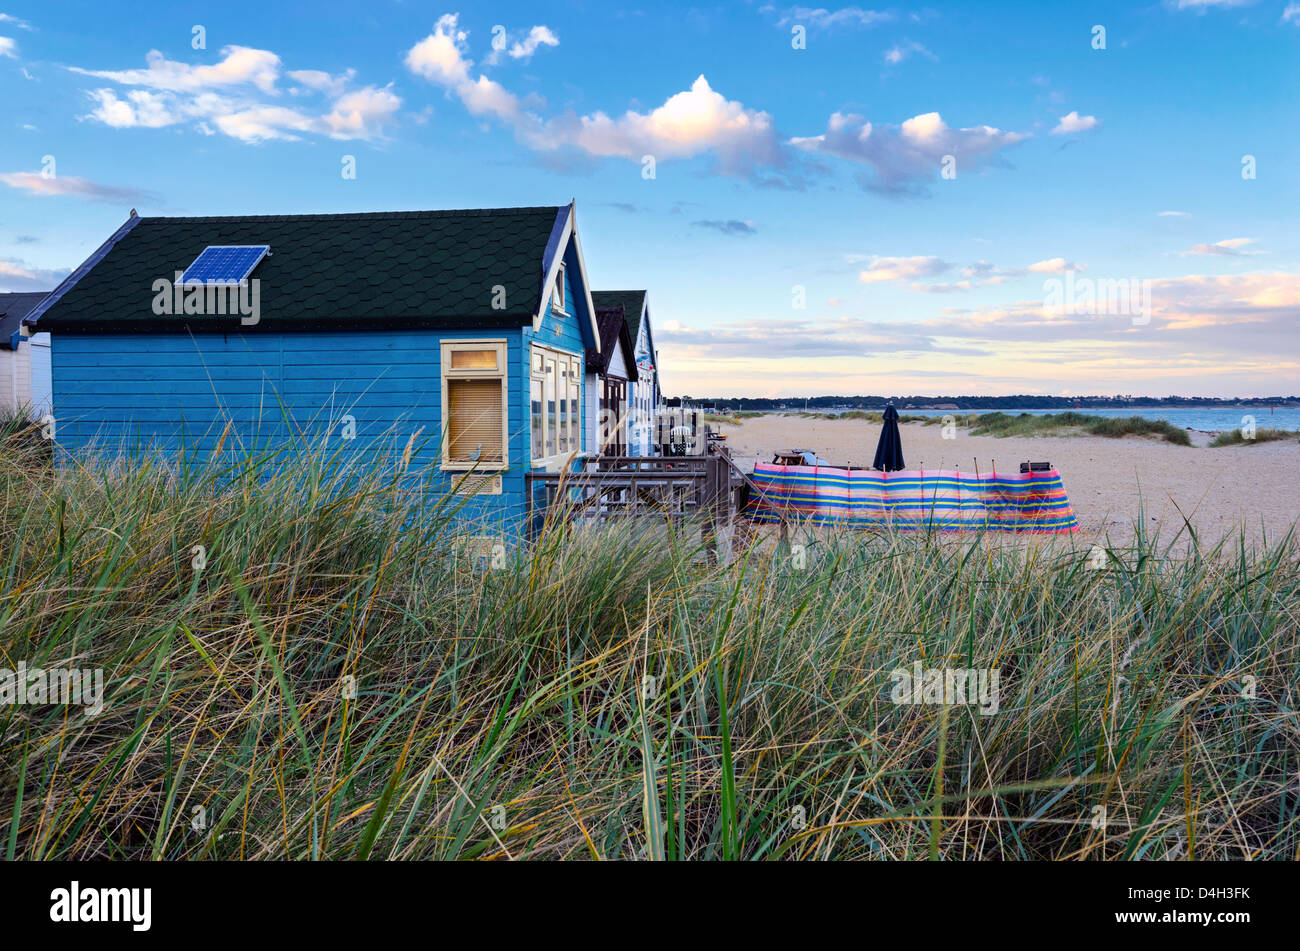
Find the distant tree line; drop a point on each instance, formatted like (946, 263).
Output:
(1022, 401)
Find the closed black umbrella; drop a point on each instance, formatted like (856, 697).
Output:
(889, 453)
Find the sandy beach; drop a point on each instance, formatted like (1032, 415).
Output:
(1111, 482)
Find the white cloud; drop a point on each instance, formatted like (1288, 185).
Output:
(903, 156)
(824, 19)
(240, 66)
(979, 274)
(236, 97)
(882, 269)
(524, 48)
(321, 81)
(1291, 14)
(1173, 214)
(1203, 5)
(8, 47)
(688, 124)
(1227, 248)
(258, 123)
(356, 115)
(487, 97)
(1074, 123)
(902, 51)
(440, 56)
(1054, 266)
(141, 108)
(15, 21)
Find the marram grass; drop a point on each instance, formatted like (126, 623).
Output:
(340, 681)
(1067, 423)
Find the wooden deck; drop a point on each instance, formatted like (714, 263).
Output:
(675, 489)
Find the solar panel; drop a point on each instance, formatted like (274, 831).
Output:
(225, 264)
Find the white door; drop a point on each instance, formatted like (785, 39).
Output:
(42, 381)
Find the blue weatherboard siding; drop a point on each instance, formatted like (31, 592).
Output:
(150, 391)
(562, 332)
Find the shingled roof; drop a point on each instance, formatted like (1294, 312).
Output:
(632, 302)
(13, 308)
(611, 323)
(384, 270)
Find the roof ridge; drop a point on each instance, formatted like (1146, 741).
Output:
(355, 215)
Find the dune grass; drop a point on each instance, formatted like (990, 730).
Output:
(870, 416)
(1031, 424)
(1233, 437)
(861, 414)
(341, 681)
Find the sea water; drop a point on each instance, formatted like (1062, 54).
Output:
(1206, 418)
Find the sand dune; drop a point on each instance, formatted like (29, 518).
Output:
(1111, 482)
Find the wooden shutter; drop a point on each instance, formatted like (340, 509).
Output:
(474, 420)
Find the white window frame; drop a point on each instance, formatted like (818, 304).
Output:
(502, 372)
(574, 362)
(557, 293)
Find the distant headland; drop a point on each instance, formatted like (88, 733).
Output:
(1022, 401)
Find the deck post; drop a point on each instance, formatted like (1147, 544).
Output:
(713, 484)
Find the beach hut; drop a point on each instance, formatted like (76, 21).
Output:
(466, 329)
(24, 357)
(609, 370)
(644, 395)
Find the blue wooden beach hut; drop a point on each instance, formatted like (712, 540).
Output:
(643, 393)
(466, 329)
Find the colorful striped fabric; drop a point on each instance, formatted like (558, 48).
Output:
(1023, 502)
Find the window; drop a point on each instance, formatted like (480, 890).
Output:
(473, 359)
(575, 414)
(567, 443)
(535, 387)
(613, 431)
(557, 299)
(474, 409)
(555, 391)
(552, 411)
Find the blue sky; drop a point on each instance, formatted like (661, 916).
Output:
(783, 176)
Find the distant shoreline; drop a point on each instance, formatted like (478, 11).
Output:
(1180, 425)
(871, 404)
(1005, 409)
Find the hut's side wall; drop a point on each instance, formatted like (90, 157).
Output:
(9, 399)
(159, 391)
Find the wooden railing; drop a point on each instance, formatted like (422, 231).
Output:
(674, 488)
